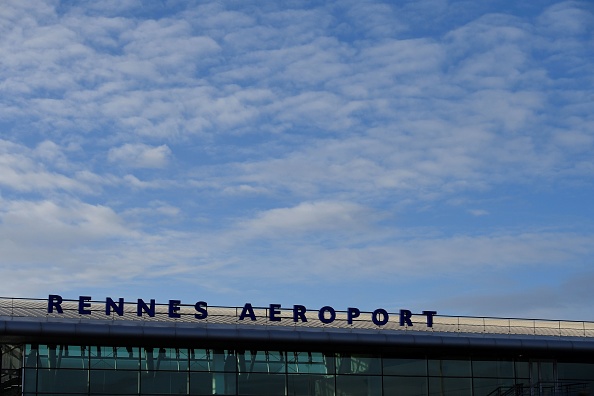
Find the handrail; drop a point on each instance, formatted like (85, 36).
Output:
(36, 307)
(559, 388)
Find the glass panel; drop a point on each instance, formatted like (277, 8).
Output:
(546, 372)
(577, 371)
(493, 368)
(449, 368)
(172, 359)
(262, 384)
(47, 357)
(201, 383)
(224, 383)
(405, 386)
(522, 370)
(29, 380)
(164, 382)
(309, 363)
(359, 385)
(366, 364)
(265, 361)
(223, 360)
(405, 366)
(71, 356)
(31, 355)
(450, 386)
(65, 380)
(200, 359)
(310, 384)
(113, 382)
(358, 364)
(104, 357)
(484, 386)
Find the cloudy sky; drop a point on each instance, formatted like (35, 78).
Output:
(422, 154)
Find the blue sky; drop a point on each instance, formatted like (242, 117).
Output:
(425, 154)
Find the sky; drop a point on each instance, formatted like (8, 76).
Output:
(422, 155)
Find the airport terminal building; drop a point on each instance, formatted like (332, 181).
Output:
(82, 346)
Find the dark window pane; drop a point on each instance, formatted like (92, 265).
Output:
(103, 357)
(164, 382)
(546, 372)
(171, 359)
(358, 385)
(31, 355)
(224, 383)
(221, 360)
(65, 380)
(493, 368)
(405, 386)
(358, 364)
(405, 366)
(72, 356)
(451, 368)
(200, 359)
(201, 383)
(262, 384)
(29, 380)
(577, 371)
(309, 362)
(113, 382)
(310, 384)
(484, 386)
(264, 361)
(450, 386)
(522, 370)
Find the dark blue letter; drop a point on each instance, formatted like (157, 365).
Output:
(117, 308)
(200, 307)
(54, 301)
(429, 315)
(143, 307)
(173, 308)
(299, 313)
(274, 310)
(378, 322)
(322, 317)
(405, 315)
(247, 311)
(82, 304)
(352, 313)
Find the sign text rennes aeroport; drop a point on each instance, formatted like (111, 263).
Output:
(326, 314)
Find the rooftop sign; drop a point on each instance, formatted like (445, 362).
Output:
(326, 314)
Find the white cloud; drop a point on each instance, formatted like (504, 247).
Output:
(140, 156)
(33, 224)
(23, 169)
(308, 217)
(308, 140)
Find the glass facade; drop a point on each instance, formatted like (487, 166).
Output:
(107, 370)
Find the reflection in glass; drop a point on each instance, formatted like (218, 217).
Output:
(484, 386)
(405, 366)
(360, 385)
(405, 386)
(309, 363)
(107, 370)
(493, 368)
(444, 386)
(449, 367)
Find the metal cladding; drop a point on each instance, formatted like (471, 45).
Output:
(27, 321)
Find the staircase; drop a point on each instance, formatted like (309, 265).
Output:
(544, 389)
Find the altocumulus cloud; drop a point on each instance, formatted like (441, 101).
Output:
(239, 149)
(140, 156)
